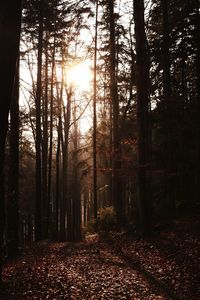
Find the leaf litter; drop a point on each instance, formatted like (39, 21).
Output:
(117, 265)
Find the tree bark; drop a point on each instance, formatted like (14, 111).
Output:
(117, 179)
(38, 170)
(58, 194)
(95, 122)
(10, 26)
(13, 205)
(197, 38)
(142, 80)
(76, 207)
(45, 138)
(47, 216)
(167, 95)
(65, 201)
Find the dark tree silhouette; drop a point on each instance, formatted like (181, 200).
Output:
(13, 190)
(167, 96)
(116, 163)
(10, 24)
(197, 38)
(38, 170)
(95, 200)
(142, 116)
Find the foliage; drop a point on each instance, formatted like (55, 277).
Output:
(106, 218)
(91, 225)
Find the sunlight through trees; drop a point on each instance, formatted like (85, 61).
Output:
(99, 119)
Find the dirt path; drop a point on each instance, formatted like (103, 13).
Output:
(115, 267)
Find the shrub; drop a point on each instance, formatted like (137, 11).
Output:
(106, 218)
(91, 226)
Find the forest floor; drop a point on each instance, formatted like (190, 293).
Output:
(115, 266)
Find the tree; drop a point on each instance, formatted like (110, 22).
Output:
(13, 190)
(197, 38)
(117, 180)
(167, 95)
(142, 77)
(58, 161)
(10, 25)
(66, 201)
(75, 184)
(38, 166)
(45, 139)
(47, 206)
(95, 120)
(173, 40)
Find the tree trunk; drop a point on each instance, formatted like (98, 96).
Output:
(50, 143)
(117, 179)
(197, 38)
(65, 201)
(12, 206)
(76, 207)
(169, 120)
(66, 195)
(182, 177)
(45, 140)
(58, 160)
(142, 81)
(58, 194)
(95, 122)
(10, 24)
(38, 200)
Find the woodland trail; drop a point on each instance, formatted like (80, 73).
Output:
(116, 266)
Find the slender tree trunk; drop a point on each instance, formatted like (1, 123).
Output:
(50, 142)
(117, 179)
(182, 179)
(76, 207)
(58, 194)
(12, 207)
(66, 202)
(167, 94)
(10, 24)
(166, 55)
(58, 159)
(197, 38)
(45, 140)
(110, 155)
(142, 72)
(95, 122)
(66, 195)
(85, 205)
(38, 200)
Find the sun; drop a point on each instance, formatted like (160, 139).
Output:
(80, 76)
